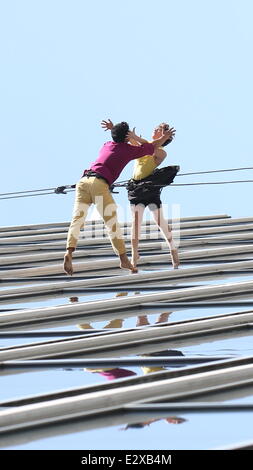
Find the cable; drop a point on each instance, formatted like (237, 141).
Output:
(187, 184)
(208, 171)
(19, 194)
(214, 171)
(30, 195)
(25, 195)
(124, 185)
(31, 191)
(215, 182)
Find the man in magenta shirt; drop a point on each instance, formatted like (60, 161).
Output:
(94, 188)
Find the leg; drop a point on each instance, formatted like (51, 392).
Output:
(82, 203)
(137, 216)
(142, 320)
(107, 208)
(163, 317)
(166, 232)
(85, 326)
(116, 323)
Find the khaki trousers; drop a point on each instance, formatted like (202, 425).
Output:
(96, 191)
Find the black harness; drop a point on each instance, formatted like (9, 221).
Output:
(153, 183)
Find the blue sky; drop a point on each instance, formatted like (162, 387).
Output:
(68, 64)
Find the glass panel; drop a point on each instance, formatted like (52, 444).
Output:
(154, 431)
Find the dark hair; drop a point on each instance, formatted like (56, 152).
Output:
(166, 142)
(119, 132)
(135, 425)
(166, 128)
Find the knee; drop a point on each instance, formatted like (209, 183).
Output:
(78, 218)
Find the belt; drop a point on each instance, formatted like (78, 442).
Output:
(89, 173)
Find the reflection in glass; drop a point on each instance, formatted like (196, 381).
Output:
(142, 320)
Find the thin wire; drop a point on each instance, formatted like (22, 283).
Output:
(40, 192)
(31, 191)
(30, 195)
(25, 195)
(209, 171)
(214, 171)
(190, 184)
(153, 185)
(216, 182)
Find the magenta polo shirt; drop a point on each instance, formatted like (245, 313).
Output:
(113, 157)
(116, 373)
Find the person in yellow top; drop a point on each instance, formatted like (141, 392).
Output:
(144, 167)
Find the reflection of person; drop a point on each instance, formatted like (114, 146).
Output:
(73, 299)
(109, 373)
(170, 420)
(94, 188)
(142, 320)
(116, 373)
(164, 353)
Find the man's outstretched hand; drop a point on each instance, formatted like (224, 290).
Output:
(131, 134)
(107, 125)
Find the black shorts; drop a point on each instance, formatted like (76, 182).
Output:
(146, 197)
(153, 203)
(147, 191)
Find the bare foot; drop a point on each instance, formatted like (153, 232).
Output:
(142, 320)
(116, 323)
(163, 318)
(67, 265)
(134, 259)
(125, 263)
(85, 326)
(175, 258)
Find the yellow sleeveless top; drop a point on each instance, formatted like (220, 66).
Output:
(143, 167)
